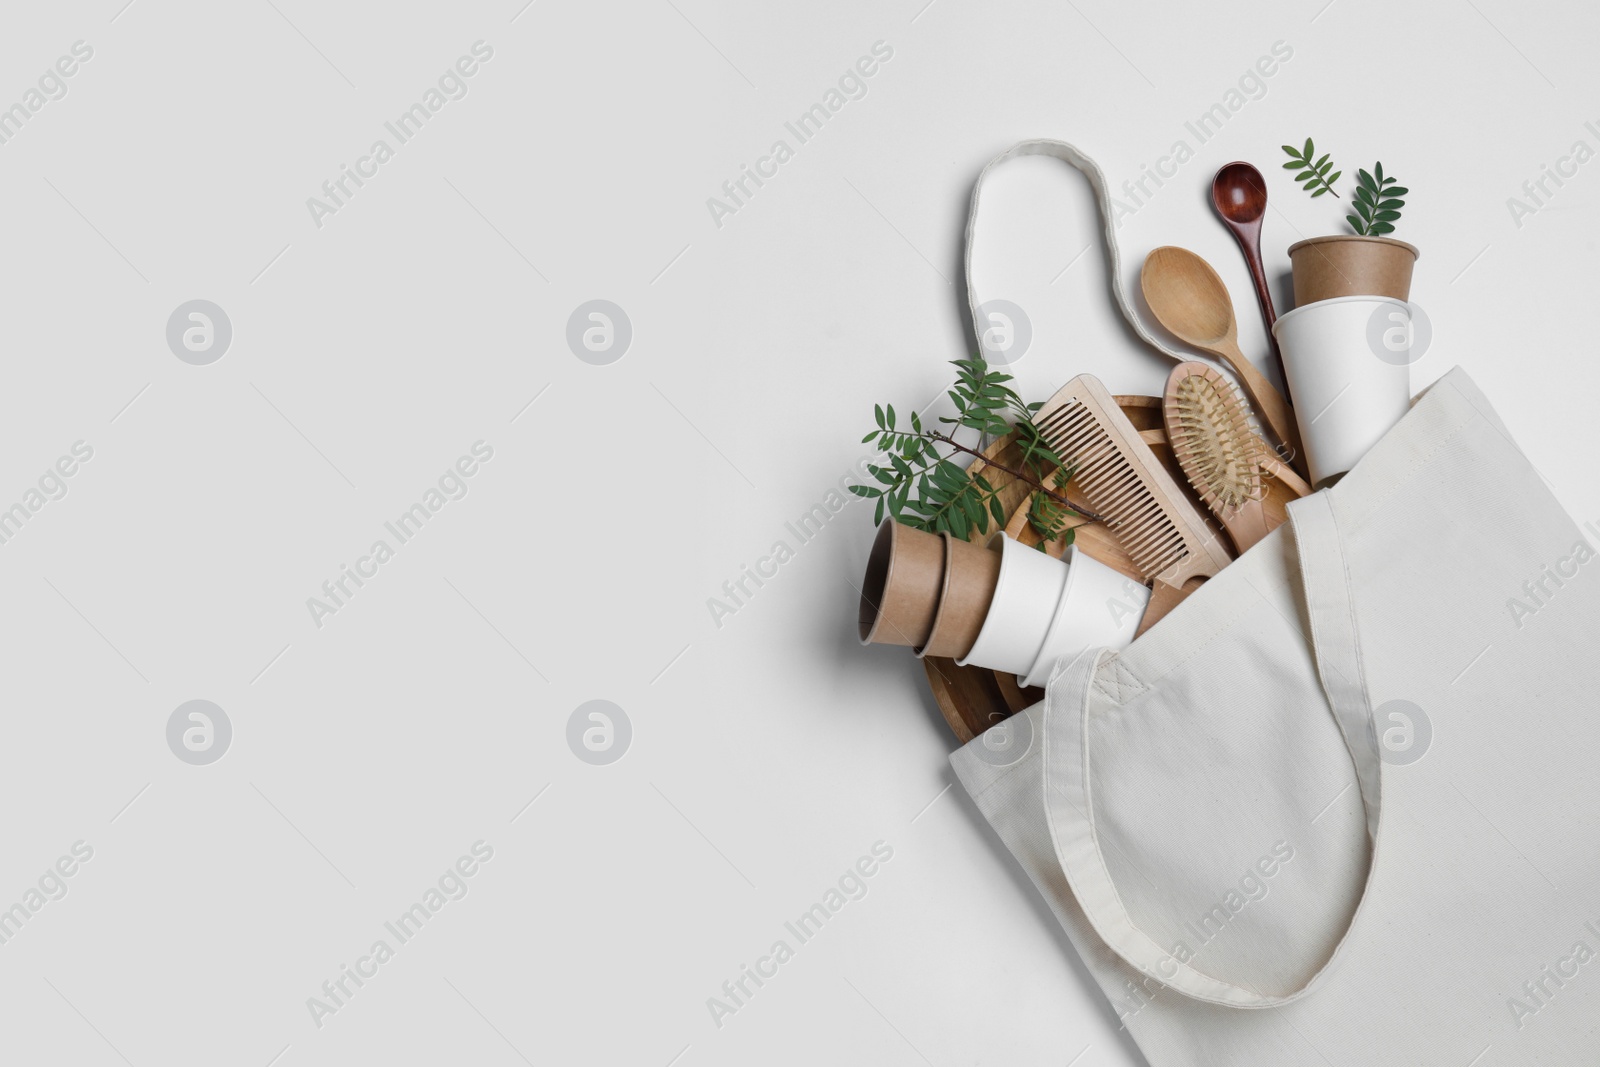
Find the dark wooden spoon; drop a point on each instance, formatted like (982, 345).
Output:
(1239, 194)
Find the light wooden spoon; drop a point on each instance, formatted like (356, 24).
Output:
(1189, 299)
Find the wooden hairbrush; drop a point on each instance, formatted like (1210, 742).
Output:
(1214, 440)
(1122, 479)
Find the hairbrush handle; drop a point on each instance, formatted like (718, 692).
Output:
(1271, 405)
(1272, 465)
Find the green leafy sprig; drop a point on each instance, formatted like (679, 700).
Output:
(925, 488)
(1313, 171)
(1376, 203)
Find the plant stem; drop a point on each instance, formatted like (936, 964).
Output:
(1021, 477)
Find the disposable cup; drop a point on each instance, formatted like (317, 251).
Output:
(900, 592)
(969, 579)
(1100, 607)
(1346, 395)
(1326, 268)
(1025, 600)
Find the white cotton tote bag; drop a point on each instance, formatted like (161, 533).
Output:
(1341, 807)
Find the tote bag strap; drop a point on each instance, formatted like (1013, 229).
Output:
(1097, 181)
(1069, 783)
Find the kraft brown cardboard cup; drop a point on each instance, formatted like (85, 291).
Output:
(1326, 268)
(969, 584)
(900, 593)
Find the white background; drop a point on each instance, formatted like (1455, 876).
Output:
(769, 753)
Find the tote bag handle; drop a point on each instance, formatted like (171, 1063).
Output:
(1097, 181)
(1069, 782)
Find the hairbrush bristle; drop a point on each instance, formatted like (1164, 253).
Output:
(1219, 450)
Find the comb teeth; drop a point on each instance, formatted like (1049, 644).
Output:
(1113, 487)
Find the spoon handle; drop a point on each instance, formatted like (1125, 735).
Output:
(1249, 237)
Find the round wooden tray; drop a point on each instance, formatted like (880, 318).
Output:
(975, 698)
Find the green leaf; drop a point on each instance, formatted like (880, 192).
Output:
(1366, 181)
(869, 436)
(1377, 171)
(916, 423)
(1387, 216)
(1378, 229)
(1395, 190)
(1319, 192)
(1294, 164)
(1321, 163)
(1356, 224)
(997, 511)
(877, 411)
(1391, 205)
(1334, 177)
(877, 513)
(1309, 149)
(865, 491)
(891, 416)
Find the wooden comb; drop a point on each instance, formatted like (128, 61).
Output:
(1119, 477)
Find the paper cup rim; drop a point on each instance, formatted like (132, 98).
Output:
(1339, 237)
(1287, 315)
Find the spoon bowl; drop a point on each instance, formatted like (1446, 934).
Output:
(1188, 298)
(1239, 194)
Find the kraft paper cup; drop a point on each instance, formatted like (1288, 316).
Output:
(900, 592)
(1326, 268)
(1025, 600)
(1100, 608)
(970, 575)
(1345, 395)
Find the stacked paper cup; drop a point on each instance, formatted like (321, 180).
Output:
(1002, 605)
(1348, 346)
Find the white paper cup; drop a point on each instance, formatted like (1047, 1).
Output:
(1100, 608)
(1025, 600)
(1346, 396)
